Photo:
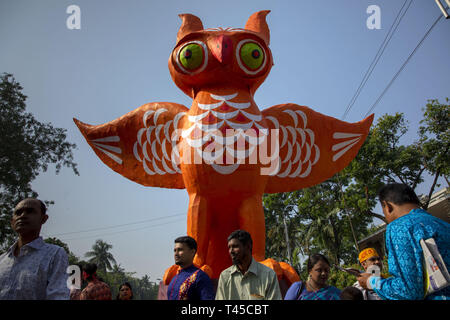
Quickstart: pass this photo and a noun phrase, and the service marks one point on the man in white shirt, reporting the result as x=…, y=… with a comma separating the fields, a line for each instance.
x=32, y=269
x=246, y=279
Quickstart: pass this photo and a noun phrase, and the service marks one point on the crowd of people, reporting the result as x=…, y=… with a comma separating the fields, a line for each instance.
x=33, y=269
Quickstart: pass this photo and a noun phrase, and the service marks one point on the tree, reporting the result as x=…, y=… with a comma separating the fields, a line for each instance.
x=330, y=217
x=101, y=256
x=434, y=142
x=27, y=147
x=73, y=259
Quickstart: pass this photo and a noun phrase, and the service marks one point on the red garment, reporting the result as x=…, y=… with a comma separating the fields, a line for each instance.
x=96, y=290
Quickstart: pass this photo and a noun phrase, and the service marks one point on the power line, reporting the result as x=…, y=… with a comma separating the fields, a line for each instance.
x=377, y=57
x=118, y=225
x=123, y=231
x=403, y=66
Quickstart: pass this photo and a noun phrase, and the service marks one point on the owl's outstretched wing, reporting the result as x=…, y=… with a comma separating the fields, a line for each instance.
x=312, y=146
x=142, y=144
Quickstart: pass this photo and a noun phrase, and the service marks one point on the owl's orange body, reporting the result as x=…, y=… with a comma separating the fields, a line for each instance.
x=224, y=150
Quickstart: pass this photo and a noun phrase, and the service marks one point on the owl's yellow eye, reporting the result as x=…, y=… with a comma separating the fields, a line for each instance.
x=191, y=56
x=250, y=56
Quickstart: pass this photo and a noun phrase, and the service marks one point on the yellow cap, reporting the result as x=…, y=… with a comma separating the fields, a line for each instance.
x=367, y=253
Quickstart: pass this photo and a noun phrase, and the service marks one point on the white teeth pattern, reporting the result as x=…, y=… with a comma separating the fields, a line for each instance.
x=210, y=131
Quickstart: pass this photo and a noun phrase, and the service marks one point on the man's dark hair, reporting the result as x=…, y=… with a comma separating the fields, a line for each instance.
x=243, y=236
x=189, y=241
x=398, y=194
x=312, y=260
x=90, y=268
x=351, y=293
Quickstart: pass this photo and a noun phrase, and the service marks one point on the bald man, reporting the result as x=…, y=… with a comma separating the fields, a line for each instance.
x=32, y=269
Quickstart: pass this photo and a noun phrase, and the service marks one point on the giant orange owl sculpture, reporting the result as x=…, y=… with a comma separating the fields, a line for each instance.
x=224, y=150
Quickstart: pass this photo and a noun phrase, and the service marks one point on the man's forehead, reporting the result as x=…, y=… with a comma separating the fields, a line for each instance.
x=235, y=242
x=181, y=245
x=28, y=203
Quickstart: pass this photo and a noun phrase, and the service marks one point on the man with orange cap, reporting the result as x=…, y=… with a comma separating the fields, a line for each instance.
x=369, y=259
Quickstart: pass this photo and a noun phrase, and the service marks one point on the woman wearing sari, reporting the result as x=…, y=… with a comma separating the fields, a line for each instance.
x=315, y=288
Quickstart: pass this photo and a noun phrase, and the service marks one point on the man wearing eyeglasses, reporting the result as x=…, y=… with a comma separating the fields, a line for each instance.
x=369, y=257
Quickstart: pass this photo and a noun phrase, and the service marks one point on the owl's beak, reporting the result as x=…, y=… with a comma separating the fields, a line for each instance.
x=222, y=48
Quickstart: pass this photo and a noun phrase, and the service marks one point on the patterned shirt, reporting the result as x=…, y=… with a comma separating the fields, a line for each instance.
x=258, y=283
x=405, y=256
x=96, y=290
x=37, y=273
x=190, y=283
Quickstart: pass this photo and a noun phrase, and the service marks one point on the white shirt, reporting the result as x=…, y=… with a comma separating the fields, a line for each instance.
x=37, y=273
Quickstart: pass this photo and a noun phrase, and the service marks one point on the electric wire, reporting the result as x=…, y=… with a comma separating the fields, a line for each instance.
x=378, y=55
x=118, y=225
x=122, y=231
x=403, y=66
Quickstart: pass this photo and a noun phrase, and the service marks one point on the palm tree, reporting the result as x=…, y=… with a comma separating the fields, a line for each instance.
x=100, y=255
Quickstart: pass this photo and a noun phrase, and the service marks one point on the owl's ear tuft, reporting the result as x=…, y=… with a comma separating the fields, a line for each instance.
x=257, y=23
x=190, y=23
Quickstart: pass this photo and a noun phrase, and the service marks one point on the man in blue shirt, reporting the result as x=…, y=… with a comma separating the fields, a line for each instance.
x=190, y=283
x=407, y=225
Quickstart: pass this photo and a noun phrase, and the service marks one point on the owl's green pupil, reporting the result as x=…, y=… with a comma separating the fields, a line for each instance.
x=191, y=56
x=252, y=55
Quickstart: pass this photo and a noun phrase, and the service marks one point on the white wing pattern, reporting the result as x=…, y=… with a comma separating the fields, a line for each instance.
x=298, y=151
x=156, y=145
x=313, y=147
x=138, y=145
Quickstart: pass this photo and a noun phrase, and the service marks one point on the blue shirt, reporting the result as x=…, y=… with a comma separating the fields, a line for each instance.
x=298, y=291
x=37, y=273
x=405, y=256
x=200, y=289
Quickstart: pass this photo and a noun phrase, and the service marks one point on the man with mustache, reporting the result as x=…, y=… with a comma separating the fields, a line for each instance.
x=246, y=279
x=369, y=257
x=32, y=269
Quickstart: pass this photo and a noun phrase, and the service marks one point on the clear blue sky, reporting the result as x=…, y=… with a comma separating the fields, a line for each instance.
x=117, y=61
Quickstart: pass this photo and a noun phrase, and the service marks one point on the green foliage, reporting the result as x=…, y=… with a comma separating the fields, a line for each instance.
x=331, y=217
x=434, y=142
x=27, y=147
x=101, y=256
x=142, y=288
x=341, y=279
x=73, y=259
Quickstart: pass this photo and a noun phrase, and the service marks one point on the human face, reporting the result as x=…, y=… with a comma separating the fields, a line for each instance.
x=125, y=293
x=27, y=217
x=373, y=260
x=183, y=255
x=319, y=273
x=238, y=252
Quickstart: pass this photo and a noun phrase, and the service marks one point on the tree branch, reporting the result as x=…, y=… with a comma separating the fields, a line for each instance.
x=377, y=215
x=430, y=194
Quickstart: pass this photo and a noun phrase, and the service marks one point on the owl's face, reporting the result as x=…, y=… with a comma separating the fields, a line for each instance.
x=219, y=58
